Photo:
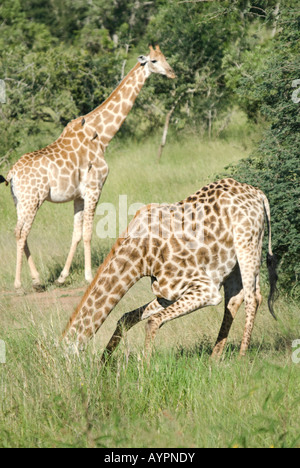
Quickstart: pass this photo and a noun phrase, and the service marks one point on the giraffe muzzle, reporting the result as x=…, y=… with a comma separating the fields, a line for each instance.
x=171, y=74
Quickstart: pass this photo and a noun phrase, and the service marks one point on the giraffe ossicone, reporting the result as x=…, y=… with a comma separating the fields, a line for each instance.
x=227, y=220
x=73, y=168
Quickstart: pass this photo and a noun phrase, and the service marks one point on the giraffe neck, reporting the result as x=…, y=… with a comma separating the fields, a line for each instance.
x=119, y=272
x=105, y=121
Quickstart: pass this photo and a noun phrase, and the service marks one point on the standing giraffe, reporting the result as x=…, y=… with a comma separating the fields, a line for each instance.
x=189, y=249
x=74, y=168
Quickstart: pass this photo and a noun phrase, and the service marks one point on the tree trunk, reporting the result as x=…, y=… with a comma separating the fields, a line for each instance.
x=124, y=63
x=209, y=123
x=165, y=133
x=276, y=15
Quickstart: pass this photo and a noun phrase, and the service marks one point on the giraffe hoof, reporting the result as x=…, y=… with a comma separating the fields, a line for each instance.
x=20, y=292
x=39, y=288
x=60, y=281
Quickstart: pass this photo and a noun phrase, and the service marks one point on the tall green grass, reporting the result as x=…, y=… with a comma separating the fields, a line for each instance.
x=50, y=399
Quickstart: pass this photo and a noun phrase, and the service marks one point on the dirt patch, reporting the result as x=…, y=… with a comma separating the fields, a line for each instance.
x=68, y=299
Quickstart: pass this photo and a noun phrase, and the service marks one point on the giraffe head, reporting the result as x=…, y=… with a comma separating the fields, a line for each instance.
x=156, y=63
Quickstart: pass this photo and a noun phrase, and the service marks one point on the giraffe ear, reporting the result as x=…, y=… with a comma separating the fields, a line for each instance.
x=143, y=59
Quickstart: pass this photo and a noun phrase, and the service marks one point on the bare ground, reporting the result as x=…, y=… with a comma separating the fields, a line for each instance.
x=68, y=299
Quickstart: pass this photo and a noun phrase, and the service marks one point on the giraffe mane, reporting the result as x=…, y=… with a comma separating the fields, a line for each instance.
x=117, y=89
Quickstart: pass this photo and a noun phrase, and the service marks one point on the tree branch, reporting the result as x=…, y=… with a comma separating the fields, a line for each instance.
x=166, y=127
x=165, y=133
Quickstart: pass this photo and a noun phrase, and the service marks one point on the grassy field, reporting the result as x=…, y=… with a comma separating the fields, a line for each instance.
x=184, y=399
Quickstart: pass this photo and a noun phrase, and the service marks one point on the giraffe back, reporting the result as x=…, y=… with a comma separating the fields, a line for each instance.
x=198, y=236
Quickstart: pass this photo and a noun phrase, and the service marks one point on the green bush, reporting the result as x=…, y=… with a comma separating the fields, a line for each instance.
x=275, y=166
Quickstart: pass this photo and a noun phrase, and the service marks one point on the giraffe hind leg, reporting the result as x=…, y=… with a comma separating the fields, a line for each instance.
x=249, y=265
x=234, y=296
x=76, y=238
x=25, y=221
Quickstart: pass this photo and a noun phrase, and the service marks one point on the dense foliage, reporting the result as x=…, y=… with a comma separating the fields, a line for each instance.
x=275, y=167
x=60, y=59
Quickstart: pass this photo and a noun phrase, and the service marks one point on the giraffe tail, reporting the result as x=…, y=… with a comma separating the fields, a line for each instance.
x=2, y=179
x=272, y=262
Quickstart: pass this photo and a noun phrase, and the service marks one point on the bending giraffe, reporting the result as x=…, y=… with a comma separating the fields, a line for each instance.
x=190, y=250
x=74, y=168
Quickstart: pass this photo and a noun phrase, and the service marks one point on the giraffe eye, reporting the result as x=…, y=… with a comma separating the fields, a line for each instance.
x=154, y=61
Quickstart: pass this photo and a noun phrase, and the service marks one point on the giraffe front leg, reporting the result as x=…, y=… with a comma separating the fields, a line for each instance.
x=126, y=322
x=76, y=238
x=33, y=271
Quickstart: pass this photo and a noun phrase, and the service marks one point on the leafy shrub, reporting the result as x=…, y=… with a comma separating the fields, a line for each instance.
x=275, y=166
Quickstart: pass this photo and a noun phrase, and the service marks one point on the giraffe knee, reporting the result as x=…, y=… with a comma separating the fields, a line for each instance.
x=77, y=237
x=251, y=301
x=235, y=302
x=18, y=231
x=152, y=325
x=87, y=237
